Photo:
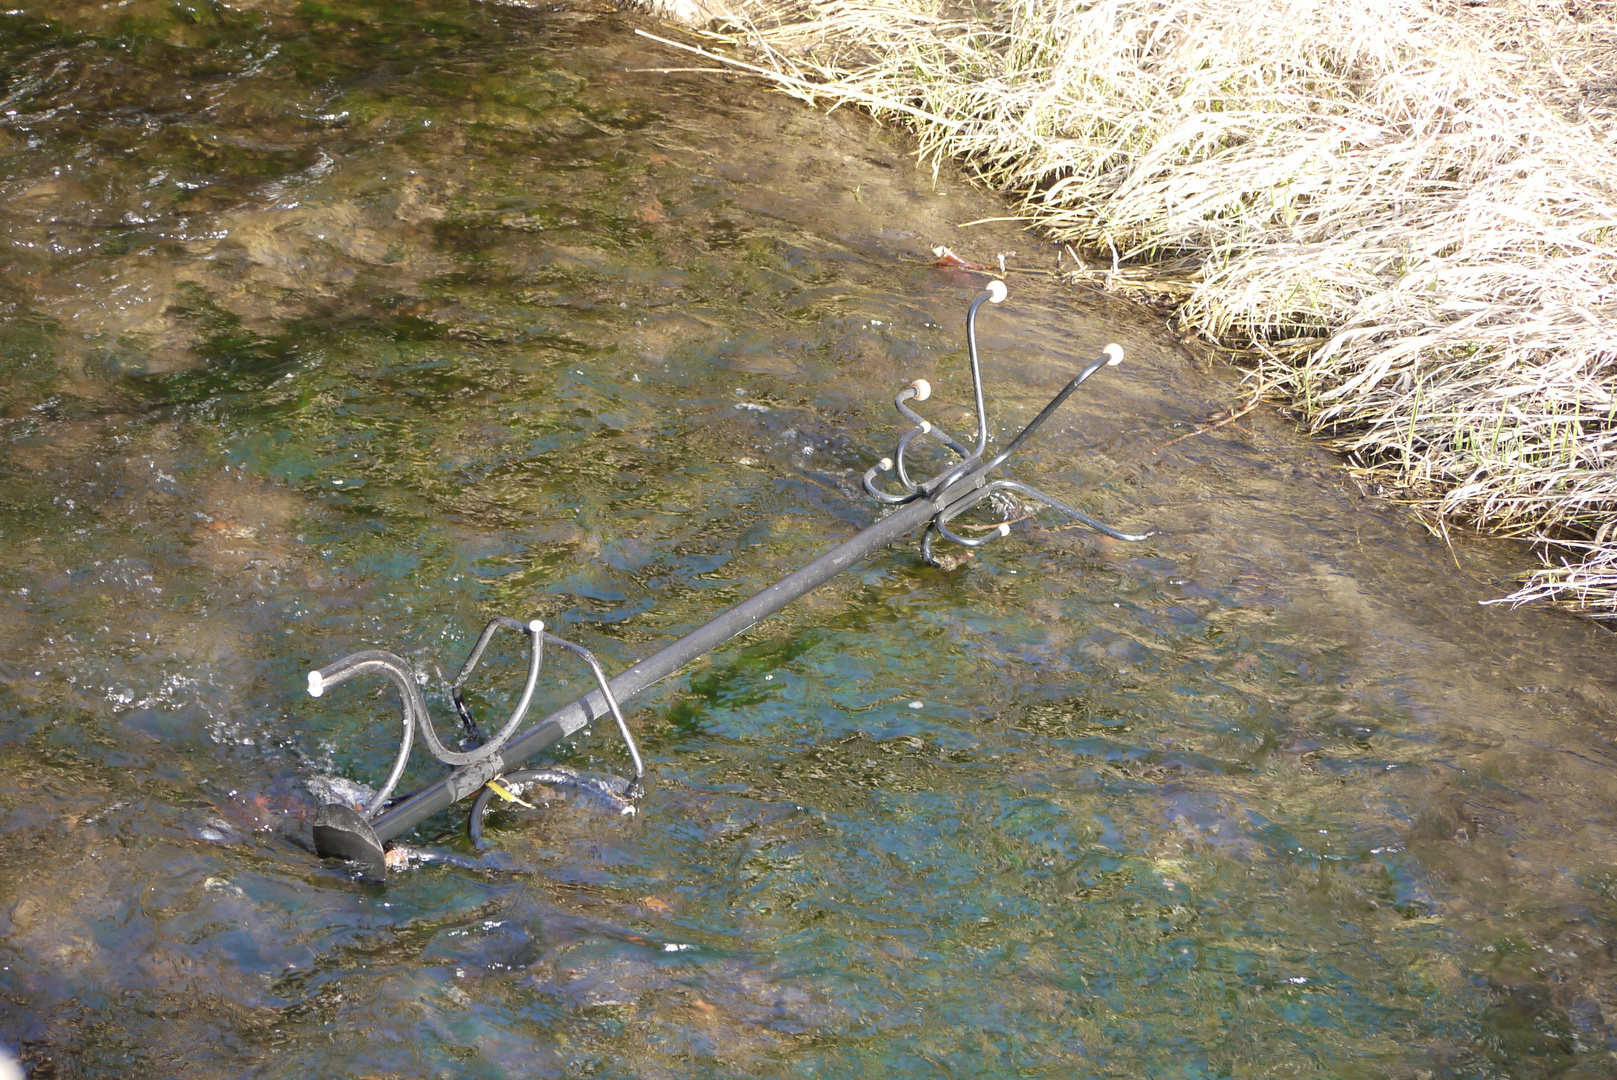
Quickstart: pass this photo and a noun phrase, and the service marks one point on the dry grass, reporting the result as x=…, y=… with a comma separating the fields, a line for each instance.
x=1407, y=211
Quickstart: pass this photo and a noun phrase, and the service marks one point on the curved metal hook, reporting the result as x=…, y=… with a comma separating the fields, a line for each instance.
x=920, y=390
x=515, y=786
x=411, y=703
x=963, y=484
x=413, y=706
x=995, y=293
x=637, y=785
x=884, y=465
x=340, y=830
x=1056, y=504
x=534, y=631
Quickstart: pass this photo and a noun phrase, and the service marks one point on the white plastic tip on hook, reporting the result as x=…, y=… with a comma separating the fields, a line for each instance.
x=1114, y=354
x=537, y=626
x=1004, y=529
x=317, y=685
x=885, y=464
x=997, y=292
x=922, y=388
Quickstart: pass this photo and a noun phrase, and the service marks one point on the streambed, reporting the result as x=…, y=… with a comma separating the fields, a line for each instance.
x=345, y=326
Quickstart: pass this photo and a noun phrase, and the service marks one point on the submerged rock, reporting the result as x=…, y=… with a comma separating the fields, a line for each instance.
x=337, y=789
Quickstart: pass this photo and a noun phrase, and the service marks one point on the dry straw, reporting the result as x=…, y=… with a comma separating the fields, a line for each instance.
x=1407, y=212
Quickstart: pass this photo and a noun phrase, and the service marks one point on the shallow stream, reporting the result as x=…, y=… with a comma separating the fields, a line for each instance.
x=347, y=325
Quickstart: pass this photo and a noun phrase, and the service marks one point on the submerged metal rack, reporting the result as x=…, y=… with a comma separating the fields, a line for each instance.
x=360, y=834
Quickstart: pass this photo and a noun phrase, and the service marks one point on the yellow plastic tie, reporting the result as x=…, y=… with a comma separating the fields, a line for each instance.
x=508, y=795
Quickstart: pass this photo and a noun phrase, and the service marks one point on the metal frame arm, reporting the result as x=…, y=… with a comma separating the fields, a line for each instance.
x=929, y=504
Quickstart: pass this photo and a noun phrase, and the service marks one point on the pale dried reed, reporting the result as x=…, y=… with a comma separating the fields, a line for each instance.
x=1407, y=211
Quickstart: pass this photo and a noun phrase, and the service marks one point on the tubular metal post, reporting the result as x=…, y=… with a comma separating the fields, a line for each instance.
x=931, y=504
x=422, y=804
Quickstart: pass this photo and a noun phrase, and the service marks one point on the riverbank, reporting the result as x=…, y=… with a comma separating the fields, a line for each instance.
x=1401, y=215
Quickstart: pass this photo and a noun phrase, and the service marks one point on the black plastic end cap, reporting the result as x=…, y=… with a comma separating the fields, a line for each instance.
x=341, y=832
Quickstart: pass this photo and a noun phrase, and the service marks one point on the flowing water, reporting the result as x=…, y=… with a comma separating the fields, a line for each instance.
x=332, y=326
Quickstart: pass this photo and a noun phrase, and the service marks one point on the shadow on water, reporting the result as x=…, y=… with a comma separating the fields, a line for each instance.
x=342, y=325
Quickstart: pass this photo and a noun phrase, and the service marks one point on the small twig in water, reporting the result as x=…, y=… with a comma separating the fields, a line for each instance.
x=1442, y=523
x=986, y=220
x=1214, y=426
x=690, y=70
x=811, y=89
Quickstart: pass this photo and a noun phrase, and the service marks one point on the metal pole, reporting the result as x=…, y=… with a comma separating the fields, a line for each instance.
x=422, y=804
x=342, y=831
